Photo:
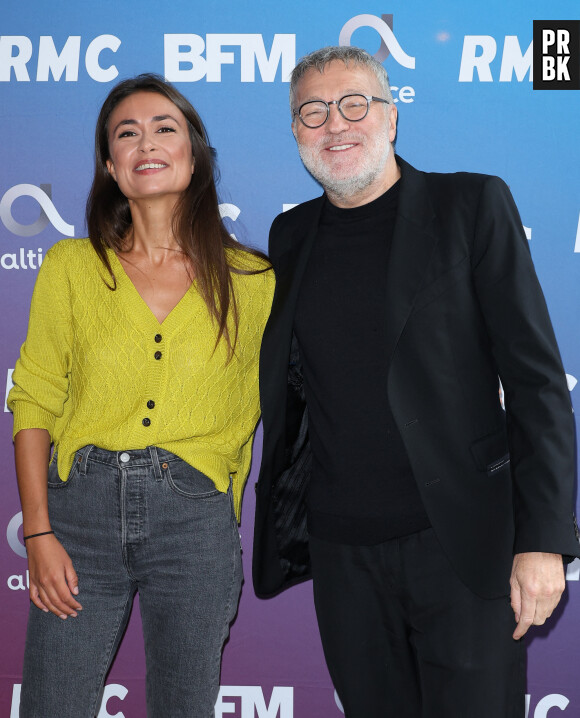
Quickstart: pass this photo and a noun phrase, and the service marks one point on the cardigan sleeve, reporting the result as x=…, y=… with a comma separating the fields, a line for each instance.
x=41, y=375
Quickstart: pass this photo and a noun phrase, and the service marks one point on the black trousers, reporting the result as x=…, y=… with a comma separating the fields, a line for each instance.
x=403, y=637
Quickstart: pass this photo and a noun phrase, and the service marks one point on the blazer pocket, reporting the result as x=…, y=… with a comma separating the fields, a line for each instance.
x=490, y=453
x=444, y=282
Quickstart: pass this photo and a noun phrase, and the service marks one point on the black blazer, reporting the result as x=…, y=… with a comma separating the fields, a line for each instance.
x=464, y=307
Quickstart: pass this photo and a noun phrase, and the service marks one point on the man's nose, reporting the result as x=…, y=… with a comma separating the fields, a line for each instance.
x=336, y=122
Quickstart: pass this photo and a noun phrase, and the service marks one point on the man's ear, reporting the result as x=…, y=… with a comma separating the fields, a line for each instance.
x=293, y=126
x=392, y=123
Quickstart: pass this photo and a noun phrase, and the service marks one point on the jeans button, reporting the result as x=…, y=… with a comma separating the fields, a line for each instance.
x=124, y=457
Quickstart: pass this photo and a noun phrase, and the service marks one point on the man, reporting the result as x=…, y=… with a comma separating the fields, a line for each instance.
x=390, y=471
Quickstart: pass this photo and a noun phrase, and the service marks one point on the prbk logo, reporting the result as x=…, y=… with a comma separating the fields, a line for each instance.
x=16, y=53
x=190, y=58
x=389, y=46
x=556, y=54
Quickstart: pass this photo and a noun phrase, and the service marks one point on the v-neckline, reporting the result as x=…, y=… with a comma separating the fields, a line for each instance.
x=123, y=278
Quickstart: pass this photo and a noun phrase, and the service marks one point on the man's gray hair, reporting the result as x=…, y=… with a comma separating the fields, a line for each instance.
x=319, y=59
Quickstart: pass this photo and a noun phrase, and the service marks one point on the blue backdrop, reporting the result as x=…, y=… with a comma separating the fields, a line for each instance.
x=462, y=79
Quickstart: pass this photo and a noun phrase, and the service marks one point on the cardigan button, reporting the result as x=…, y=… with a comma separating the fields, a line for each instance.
x=146, y=422
x=158, y=338
x=151, y=404
x=158, y=355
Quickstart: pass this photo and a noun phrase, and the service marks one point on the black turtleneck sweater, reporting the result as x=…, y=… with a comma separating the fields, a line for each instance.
x=362, y=489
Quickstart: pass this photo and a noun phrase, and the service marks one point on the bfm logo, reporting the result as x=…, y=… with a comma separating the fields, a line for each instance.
x=185, y=62
x=233, y=702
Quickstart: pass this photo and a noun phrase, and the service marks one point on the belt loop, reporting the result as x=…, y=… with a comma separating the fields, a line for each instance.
x=155, y=462
x=84, y=457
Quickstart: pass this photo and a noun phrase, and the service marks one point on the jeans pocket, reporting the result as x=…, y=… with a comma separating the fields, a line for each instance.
x=54, y=480
x=187, y=481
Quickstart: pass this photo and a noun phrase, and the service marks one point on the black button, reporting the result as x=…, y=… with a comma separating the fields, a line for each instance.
x=146, y=422
x=158, y=355
x=151, y=404
x=158, y=338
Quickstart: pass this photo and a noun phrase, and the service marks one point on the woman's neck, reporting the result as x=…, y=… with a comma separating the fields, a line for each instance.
x=152, y=230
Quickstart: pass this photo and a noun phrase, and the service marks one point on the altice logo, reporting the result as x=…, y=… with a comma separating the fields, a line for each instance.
x=48, y=212
x=12, y=535
x=389, y=43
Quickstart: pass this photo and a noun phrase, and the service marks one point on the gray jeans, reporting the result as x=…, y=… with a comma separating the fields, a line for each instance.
x=133, y=521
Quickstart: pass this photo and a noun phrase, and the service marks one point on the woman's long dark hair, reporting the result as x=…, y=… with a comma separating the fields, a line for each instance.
x=197, y=225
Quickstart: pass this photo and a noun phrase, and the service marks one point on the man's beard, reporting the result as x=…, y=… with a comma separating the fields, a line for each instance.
x=372, y=165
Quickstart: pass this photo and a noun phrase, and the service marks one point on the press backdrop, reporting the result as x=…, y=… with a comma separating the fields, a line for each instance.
x=461, y=75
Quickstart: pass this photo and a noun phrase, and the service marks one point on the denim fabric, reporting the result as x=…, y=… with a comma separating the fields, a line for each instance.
x=137, y=521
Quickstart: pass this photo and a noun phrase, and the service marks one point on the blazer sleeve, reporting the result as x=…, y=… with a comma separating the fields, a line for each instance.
x=539, y=413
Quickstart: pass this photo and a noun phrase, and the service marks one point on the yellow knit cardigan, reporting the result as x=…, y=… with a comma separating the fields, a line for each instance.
x=95, y=361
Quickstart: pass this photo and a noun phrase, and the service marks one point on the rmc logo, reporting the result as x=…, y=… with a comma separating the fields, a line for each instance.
x=16, y=53
x=480, y=50
x=389, y=46
x=554, y=700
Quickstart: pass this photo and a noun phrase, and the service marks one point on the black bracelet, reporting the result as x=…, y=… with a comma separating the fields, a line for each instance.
x=43, y=533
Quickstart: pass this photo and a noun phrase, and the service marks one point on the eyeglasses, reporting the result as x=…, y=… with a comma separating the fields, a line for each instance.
x=353, y=108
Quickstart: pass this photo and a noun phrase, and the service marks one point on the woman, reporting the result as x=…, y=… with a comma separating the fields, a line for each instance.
x=140, y=367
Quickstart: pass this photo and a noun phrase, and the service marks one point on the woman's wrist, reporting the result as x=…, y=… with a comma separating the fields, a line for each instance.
x=36, y=535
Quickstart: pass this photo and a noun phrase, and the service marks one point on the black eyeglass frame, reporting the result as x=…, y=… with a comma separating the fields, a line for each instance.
x=368, y=98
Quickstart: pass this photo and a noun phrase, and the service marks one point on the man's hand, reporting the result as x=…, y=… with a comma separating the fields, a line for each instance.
x=537, y=583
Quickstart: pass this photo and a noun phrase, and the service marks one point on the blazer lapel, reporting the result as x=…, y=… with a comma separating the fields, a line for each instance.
x=289, y=267
x=414, y=240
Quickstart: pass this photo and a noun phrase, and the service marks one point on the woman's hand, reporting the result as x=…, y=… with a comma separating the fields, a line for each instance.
x=53, y=580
